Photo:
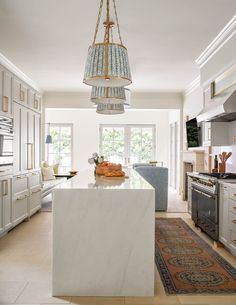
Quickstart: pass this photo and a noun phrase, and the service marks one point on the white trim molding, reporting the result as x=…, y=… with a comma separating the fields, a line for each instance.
x=11, y=67
x=220, y=40
x=192, y=86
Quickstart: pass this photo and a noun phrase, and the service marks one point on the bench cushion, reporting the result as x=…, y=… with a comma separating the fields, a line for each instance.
x=49, y=185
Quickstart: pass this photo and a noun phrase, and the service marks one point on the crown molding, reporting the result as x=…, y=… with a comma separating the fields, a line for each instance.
x=220, y=40
x=11, y=67
x=192, y=86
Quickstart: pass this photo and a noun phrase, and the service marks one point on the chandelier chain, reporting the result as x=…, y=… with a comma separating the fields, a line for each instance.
x=117, y=22
x=98, y=21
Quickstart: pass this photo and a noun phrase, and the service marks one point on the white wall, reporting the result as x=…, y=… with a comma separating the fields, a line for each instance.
x=139, y=100
x=86, y=129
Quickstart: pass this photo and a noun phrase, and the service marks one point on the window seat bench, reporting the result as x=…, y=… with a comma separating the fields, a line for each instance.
x=47, y=186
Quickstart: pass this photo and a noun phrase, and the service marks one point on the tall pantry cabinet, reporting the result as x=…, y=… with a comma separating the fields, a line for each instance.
x=26, y=167
x=20, y=189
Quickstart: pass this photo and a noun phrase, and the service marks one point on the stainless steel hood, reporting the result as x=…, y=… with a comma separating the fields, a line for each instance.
x=220, y=109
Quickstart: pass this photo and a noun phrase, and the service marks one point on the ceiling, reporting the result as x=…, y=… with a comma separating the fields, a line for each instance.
x=48, y=39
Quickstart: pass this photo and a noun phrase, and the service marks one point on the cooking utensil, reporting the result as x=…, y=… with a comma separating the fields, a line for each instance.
x=228, y=156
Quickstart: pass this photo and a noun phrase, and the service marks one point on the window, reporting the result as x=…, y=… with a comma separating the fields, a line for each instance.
x=128, y=143
x=60, y=151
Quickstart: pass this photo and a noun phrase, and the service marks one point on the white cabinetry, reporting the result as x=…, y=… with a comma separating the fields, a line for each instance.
x=224, y=213
x=232, y=219
x=35, y=192
x=227, y=225
x=215, y=134
x=5, y=204
x=6, y=80
x=27, y=139
x=20, y=195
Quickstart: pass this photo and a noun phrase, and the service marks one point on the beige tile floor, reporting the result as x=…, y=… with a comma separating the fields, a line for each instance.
x=25, y=271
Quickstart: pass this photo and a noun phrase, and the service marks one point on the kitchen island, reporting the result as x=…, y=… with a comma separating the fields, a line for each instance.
x=103, y=236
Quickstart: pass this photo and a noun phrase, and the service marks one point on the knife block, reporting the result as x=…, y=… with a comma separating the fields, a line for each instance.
x=222, y=167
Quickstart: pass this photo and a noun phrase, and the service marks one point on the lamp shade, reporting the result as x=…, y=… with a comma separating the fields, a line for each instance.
x=49, y=139
x=107, y=66
x=109, y=95
x=110, y=108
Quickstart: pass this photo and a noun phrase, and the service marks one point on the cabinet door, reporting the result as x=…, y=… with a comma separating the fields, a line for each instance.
x=1, y=212
x=19, y=207
x=7, y=92
x=1, y=85
x=224, y=215
x=206, y=134
x=37, y=102
x=35, y=199
x=37, y=141
x=6, y=201
x=30, y=141
x=16, y=90
x=31, y=97
x=24, y=139
x=23, y=94
x=17, y=138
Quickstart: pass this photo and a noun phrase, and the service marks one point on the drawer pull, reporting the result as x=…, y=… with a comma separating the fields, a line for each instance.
x=5, y=104
x=21, y=197
x=34, y=192
x=21, y=177
x=234, y=221
x=22, y=96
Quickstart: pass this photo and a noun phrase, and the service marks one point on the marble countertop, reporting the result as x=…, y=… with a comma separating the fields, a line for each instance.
x=87, y=180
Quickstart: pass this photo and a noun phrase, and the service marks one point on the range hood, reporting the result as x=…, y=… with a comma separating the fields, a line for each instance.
x=220, y=109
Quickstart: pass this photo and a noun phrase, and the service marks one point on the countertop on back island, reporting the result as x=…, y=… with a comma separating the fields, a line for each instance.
x=103, y=236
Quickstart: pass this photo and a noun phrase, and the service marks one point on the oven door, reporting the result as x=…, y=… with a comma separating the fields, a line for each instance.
x=205, y=211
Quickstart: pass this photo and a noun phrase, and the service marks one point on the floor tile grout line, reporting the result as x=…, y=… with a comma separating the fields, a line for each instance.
x=27, y=283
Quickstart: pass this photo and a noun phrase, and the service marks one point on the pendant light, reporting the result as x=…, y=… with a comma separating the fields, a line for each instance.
x=110, y=108
x=49, y=137
x=107, y=62
x=103, y=95
x=113, y=108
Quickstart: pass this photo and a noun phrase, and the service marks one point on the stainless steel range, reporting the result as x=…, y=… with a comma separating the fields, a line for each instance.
x=205, y=201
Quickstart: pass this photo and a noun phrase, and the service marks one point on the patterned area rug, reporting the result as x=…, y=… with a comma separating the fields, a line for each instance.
x=187, y=264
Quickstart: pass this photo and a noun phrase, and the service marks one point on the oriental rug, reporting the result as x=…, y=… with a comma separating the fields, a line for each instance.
x=187, y=264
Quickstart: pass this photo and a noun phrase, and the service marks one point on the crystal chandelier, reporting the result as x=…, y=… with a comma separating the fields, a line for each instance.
x=107, y=62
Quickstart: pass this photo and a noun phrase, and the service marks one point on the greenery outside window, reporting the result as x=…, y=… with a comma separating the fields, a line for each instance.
x=128, y=144
x=60, y=151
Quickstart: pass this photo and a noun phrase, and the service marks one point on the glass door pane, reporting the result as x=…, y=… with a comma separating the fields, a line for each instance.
x=113, y=144
x=141, y=144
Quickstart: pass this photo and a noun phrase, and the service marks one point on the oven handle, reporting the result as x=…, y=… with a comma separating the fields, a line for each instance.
x=204, y=194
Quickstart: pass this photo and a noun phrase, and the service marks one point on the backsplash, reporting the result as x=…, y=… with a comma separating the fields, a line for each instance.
x=231, y=162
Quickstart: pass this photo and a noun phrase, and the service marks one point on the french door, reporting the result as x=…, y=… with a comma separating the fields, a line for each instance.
x=128, y=144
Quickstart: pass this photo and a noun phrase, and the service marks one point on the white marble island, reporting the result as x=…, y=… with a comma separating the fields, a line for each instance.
x=103, y=236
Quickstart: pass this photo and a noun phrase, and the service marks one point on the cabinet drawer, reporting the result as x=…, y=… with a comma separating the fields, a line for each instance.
x=19, y=207
x=34, y=179
x=232, y=241
x=232, y=193
x=232, y=221
x=232, y=206
x=35, y=199
x=20, y=184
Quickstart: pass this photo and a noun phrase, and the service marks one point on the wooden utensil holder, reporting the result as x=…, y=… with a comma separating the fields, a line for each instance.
x=222, y=167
